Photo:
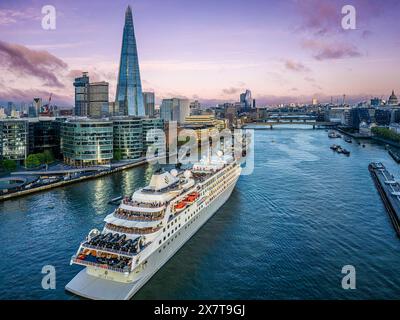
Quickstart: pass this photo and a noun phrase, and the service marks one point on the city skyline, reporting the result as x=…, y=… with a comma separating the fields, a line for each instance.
x=287, y=51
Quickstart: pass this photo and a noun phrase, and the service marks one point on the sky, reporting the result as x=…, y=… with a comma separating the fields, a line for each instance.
x=282, y=50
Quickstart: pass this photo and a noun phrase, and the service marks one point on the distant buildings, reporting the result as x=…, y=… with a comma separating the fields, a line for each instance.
x=129, y=88
x=175, y=109
x=393, y=100
x=149, y=103
x=246, y=100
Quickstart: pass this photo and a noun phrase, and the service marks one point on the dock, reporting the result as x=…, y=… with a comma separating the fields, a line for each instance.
x=389, y=190
x=394, y=155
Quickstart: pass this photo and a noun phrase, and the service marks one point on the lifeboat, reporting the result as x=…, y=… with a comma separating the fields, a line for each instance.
x=180, y=206
x=192, y=197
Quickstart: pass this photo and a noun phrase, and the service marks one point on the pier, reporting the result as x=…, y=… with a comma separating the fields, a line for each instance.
x=389, y=190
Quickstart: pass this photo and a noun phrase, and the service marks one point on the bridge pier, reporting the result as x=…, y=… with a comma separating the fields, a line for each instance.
x=313, y=126
x=271, y=127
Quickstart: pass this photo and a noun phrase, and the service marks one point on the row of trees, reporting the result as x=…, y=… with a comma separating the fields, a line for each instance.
x=386, y=133
x=37, y=159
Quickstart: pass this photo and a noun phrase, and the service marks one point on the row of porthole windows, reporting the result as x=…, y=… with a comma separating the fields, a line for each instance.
x=172, y=239
x=170, y=233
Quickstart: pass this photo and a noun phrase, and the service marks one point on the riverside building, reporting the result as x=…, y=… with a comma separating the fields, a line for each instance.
x=87, y=142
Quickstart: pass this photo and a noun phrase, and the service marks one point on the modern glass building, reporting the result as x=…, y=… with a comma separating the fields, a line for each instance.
x=44, y=134
x=129, y=88
x=87, y=142
x=14, y=139
x=81, y=85
x=149, y=103
x=128, y=137
x=175, y=109
x=151, y=137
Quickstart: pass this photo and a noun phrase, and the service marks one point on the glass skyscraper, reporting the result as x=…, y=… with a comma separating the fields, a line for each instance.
x=129, y=89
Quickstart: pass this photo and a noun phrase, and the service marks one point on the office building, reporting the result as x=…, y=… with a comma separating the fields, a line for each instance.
x=87, y=142
x=129, y=88
x=149, y=103
x=245, y=100
x=175, y=109
x=128, y=137
x=44, y=134
x=81, y=85
x=151, y=136
x=98, y=99
x=14, y=139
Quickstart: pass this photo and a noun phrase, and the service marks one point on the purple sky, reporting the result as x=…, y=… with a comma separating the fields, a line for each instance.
x=284, y=51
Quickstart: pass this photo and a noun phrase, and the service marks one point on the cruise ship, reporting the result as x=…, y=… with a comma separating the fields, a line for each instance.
x=147, y=229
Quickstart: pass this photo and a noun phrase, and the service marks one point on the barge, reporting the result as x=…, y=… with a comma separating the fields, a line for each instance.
x=389, y=190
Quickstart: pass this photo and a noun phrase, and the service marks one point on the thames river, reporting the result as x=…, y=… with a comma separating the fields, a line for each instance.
x=285, y=233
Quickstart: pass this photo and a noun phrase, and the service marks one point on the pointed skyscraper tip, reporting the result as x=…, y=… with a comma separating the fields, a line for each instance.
x=129, y=87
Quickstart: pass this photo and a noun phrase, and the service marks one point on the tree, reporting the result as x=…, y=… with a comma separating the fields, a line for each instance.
x=32, y=161
x=117, y=155
x=48, y=156
x=40, y=157
x=8, y=165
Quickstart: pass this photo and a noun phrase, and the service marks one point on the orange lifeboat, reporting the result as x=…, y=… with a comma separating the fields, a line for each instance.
x=180, y=206
x=192, y=197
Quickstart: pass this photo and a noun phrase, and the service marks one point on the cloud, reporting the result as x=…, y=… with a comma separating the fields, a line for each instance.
x=36, y=63
x=296, y=66
x=231, y=90
x=330, y=51
x=10, y=16
x=319, y=17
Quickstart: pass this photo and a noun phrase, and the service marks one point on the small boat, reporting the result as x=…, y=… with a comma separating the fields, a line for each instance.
x=363, y=145
x=115, y=200
x=334, y=147
x=348, y=140
x=339, y=149
x=346, y=152
x=334, y=134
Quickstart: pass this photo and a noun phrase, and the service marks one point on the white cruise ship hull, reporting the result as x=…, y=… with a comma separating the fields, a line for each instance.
x=92, y=287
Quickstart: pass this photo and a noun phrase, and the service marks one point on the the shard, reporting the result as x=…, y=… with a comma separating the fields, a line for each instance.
x=129, y=88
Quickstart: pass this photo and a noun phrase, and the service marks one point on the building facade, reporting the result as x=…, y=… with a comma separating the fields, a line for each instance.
x=87, y=142
x=149, y=103
x=128, y=137
x=44, y=134
x=151, y=138
x=98, y=99
x=81, y=85
x=14, y=139
x=129, y=88
x=175, y=109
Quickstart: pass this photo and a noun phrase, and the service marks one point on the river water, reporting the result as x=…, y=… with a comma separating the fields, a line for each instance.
x=285, y=233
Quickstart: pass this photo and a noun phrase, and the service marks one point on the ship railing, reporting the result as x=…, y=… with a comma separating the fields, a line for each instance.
x=138, y=216
x=132, y=203
x=98, y=265
x=115, y=228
